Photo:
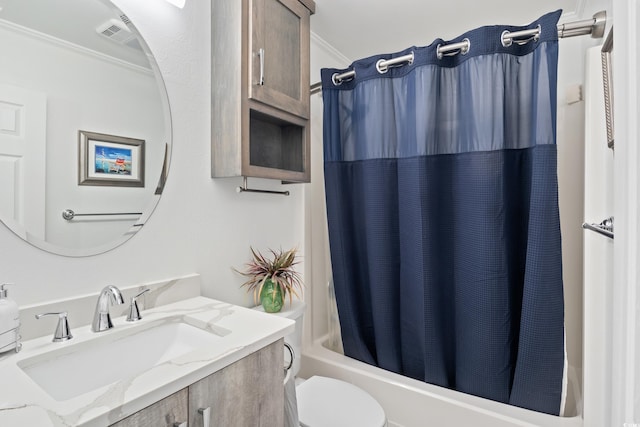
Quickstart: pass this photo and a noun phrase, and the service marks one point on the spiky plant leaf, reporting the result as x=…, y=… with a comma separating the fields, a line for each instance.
x=279, y=267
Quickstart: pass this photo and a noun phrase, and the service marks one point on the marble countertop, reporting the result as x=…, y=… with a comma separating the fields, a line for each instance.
x=244, y=331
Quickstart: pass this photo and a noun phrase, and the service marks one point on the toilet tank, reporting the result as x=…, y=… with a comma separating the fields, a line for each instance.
x=295, y=312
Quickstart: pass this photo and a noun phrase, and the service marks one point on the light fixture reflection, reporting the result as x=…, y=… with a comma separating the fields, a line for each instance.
x=178, y=3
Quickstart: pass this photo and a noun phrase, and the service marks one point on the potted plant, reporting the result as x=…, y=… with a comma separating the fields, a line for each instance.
x=272, y=278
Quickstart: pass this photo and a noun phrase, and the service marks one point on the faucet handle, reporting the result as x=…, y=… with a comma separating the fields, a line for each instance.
x=134, y=311
x=63, y=332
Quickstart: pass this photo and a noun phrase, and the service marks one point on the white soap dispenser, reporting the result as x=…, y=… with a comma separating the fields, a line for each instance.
x=9, y=322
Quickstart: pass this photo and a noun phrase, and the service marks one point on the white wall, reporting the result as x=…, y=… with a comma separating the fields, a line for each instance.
x=200, y=225
x=319, y=269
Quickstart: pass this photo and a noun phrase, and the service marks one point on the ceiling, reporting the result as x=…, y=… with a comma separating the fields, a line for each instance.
x=74, y=21
x=361, y=28
x=355, y=28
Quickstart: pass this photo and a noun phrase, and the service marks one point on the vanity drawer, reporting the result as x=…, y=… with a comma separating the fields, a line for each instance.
x=167, y=412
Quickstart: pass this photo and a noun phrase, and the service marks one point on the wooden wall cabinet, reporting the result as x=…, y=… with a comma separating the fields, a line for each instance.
x=260, y=88
x=249, y=392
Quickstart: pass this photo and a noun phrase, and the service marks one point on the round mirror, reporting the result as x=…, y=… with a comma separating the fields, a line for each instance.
x=85, y=127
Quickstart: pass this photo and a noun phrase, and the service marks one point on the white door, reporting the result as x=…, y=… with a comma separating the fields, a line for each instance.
x=598, y=249
x=624, y=346
x=22, y=160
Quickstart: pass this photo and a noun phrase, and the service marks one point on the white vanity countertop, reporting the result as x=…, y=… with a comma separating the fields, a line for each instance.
x=244, y=331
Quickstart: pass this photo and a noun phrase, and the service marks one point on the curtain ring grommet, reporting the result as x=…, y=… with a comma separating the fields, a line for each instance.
x=465, y=49
x=381, y=67
x=336, y=82
x=504, y=39
x=536, y=37
x=507, y=38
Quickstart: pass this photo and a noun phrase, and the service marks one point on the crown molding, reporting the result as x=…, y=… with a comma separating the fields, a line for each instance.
x=46, y=38
x=330, y=50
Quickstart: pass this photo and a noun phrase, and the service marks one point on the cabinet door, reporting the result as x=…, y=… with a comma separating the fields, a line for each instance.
x=279, y=55
x=168, y=412
x=246, y=393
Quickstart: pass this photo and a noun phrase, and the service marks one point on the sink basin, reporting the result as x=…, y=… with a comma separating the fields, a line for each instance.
x=75, y=370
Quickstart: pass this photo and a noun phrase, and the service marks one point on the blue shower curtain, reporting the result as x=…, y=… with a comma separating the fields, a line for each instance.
x=442, y=205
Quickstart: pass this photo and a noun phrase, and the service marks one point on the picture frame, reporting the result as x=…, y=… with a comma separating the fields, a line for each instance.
x=109, y=160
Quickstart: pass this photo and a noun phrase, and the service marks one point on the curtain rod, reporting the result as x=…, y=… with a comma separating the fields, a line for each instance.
x=594, y=26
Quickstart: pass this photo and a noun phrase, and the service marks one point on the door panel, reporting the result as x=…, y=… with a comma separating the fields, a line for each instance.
x=279, y=49
x=598, y=249
x=22, y=159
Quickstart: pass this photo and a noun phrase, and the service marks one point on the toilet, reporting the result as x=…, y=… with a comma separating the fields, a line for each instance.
x=327, y=402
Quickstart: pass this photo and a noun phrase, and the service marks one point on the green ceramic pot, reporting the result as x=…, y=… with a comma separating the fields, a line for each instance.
x=271, y=297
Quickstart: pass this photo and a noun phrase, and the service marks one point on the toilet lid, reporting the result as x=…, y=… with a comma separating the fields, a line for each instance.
x=324, y=402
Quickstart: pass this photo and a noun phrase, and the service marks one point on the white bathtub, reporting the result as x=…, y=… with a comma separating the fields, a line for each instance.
x=411, y=403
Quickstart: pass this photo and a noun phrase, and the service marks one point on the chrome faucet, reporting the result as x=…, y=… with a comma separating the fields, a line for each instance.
x=101, y=318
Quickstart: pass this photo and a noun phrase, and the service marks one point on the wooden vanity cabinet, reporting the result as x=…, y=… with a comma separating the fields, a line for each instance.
x=169, y=412
x=260, y=88
x=249, y=392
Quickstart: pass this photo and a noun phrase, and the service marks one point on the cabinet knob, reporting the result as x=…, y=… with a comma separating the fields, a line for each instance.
x=206, y=416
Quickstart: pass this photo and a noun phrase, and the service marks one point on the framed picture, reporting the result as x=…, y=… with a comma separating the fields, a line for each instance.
x=109, y=160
